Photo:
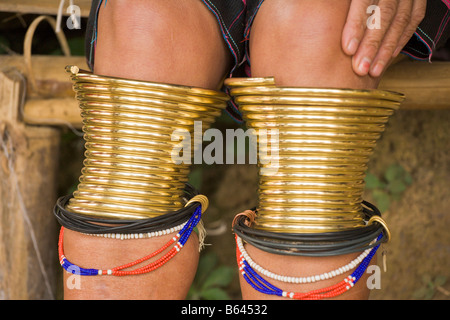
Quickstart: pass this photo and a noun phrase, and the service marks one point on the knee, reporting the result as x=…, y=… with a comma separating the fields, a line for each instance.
x=160, y=41
x=299, y=42
x=140, y=26
x=307, y=24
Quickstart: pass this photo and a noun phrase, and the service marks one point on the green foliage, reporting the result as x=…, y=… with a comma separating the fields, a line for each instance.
x=430, y=286
x=195, y=177
x=389, y=187
x=211, y=279
x=76, y=45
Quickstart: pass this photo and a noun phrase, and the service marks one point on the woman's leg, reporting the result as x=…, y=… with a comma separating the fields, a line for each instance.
x=299, y=44
x=169, y=41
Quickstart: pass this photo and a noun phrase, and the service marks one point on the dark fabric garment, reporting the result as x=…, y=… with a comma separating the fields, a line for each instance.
x=433, y=33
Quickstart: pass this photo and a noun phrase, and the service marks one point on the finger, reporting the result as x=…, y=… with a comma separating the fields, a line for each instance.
x=355, y=25
x=391, y=40
x=418, y=13
x=373, y=38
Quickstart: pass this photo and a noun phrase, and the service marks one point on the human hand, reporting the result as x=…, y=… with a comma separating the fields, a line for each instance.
x=374, y=48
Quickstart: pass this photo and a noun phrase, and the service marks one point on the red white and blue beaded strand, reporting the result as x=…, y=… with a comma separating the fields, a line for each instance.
x=262, y=285
x=178, y=241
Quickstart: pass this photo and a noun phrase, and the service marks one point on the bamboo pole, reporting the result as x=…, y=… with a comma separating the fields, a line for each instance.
x=425, y=85
x=48, y=73
x=53, y=104
x=53, y=112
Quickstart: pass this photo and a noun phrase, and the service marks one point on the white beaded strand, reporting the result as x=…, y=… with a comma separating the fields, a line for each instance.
x=126, y=236
x=309, y=279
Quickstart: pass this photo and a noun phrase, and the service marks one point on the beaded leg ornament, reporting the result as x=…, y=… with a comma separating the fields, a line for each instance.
x=262, y=285
x=311, y=182
x=131, y=187
x=176, y=242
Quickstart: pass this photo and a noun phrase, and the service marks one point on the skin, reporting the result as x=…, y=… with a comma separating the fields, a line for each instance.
x=180, y=42
x=372, y=50
x=305, y=64
x=172, y=41
x=322, y=59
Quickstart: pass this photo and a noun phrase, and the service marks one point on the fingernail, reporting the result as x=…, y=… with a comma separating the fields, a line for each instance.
x=377, y=69
x=352, y=46
x=364, y=65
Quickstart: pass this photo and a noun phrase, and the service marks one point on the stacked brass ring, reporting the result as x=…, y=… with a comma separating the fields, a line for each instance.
x=325, y=140
x=129, y=171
